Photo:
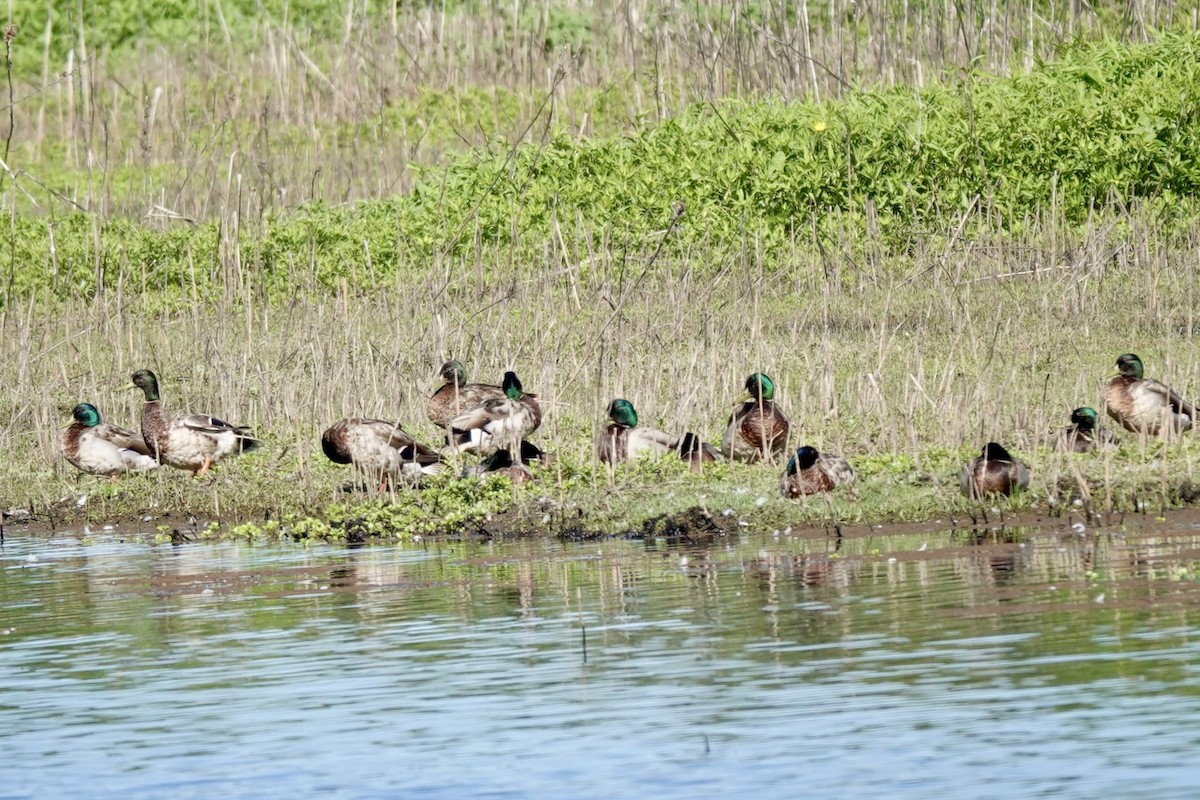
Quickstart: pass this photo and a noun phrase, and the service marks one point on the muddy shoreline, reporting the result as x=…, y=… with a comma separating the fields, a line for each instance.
x=692, y=526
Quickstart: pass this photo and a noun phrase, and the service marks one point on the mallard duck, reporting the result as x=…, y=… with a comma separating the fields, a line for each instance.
x=456, y=395
x=810, y=472
x=379, y=450
x=498, y=423
x=624, y=440
x=501, y=463
x=1143, y=405
x=993, y=471
x=757, y=429
x=696, y=452
x=1083, y=434
x=193, y=442
x=100, y=448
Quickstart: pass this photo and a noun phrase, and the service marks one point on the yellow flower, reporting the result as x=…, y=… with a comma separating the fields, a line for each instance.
x=819, y=125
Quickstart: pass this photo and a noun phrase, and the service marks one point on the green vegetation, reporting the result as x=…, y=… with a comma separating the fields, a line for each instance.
x=1104, y=127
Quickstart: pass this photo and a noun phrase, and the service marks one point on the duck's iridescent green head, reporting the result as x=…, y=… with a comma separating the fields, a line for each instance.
x=145, y=380
x=995, y=452
x=804, y=458
x=1085, y=418
x=512, y=386
x=623, y=413
x=86, y=415
x=1130, y=366
x=454, y=372
x=760, y=387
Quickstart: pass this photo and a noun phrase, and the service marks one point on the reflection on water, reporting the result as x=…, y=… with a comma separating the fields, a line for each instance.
x=954, y=664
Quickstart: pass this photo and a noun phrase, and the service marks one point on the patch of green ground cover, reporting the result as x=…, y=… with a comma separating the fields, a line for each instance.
x=1103, y=123
x=246, y=499
x=1104, y=126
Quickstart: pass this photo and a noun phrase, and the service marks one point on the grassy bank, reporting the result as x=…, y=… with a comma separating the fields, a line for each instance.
x=906, y=374
x=920, y=269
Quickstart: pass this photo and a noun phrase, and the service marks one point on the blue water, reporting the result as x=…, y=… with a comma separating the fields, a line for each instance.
x=535, y=669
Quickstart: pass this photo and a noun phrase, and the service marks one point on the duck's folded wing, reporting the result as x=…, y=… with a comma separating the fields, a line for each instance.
x=391, y=434
x=474, y=394
x=122, y=438
x=482, y=414
x=211, y=426
x=1179, y=405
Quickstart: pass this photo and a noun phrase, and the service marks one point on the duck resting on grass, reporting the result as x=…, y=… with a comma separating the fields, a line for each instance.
x=502, y=463
x=381, y=451
x=1084, y=434
x=456, y=395
x=757, y=429
x=993, y=471
x=497, y=423
x=100, y=448
x=1143, y=405
x=623, y=439
x=193, y=442
x=811, y=472
x=696, y=452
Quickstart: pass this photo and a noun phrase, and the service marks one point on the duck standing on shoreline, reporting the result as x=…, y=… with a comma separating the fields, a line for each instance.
x=192, y=442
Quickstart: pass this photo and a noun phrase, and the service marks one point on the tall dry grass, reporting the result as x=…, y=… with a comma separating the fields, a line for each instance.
x=976, y=341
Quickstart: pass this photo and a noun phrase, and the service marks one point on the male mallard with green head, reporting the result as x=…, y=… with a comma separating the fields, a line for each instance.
x=1143, y=405
x=757, y=428
x=993, y=471
x=1084, y=434
x=696, y=452
x=623, y=439
x=100, y=448
x=379, y=450
x=193, y=442
x=497, y=423
x=456, y=395
x=811, y=472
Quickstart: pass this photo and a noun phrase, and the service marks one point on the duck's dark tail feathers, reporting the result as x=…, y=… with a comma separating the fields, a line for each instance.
x=247, y=443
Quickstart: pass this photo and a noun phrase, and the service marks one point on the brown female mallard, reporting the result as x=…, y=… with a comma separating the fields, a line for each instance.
x=456, y=395
x=379, y=450
x=503, y=464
